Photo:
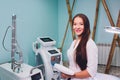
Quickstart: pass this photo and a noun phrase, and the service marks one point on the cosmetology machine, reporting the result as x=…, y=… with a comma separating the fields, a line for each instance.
x=50, y=55
x=27, y=72
x=16, y=69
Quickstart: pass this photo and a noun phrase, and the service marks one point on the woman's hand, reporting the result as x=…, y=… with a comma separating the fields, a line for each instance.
x=65, y=76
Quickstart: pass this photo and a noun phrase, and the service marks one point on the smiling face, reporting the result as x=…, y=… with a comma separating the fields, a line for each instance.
x=78, y=26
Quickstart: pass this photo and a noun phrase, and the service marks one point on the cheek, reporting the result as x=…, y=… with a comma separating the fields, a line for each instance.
x=82, y=29
x=73, y=27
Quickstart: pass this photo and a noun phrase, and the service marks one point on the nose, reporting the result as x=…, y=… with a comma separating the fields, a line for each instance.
x=77, y=26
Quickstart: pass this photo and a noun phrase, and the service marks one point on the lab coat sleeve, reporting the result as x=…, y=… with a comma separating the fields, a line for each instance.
x=92, y=57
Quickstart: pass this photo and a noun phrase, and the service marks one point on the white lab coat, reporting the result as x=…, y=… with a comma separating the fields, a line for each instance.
x=92, y=58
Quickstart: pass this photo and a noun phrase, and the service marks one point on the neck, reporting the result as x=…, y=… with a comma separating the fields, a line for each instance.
x=79, y=38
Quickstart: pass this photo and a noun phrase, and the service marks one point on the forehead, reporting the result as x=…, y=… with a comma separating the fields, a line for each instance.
x=78, y=19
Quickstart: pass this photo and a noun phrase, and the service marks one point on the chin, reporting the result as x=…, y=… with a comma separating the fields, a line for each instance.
x=78, y=34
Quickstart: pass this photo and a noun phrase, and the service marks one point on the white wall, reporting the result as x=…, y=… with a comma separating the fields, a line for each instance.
x=87, y=7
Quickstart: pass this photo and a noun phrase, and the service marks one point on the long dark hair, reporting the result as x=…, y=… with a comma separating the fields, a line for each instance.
x=81, y=54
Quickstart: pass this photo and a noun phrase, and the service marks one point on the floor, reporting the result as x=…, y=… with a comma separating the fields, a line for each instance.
x=113, y=70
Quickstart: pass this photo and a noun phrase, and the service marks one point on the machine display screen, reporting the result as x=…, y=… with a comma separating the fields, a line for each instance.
x=46, y=39
x=36, y=76
x=52, y=51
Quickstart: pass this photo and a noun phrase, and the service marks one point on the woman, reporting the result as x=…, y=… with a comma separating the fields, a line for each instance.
x=83, y=52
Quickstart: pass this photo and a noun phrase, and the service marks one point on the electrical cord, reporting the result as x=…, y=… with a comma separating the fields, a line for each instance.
x=4, y=39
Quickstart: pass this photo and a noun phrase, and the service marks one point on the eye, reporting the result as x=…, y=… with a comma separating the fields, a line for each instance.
x=74, y=24
x=81, y=23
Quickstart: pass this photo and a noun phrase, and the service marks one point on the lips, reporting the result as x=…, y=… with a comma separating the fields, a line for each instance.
x=77, y=30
